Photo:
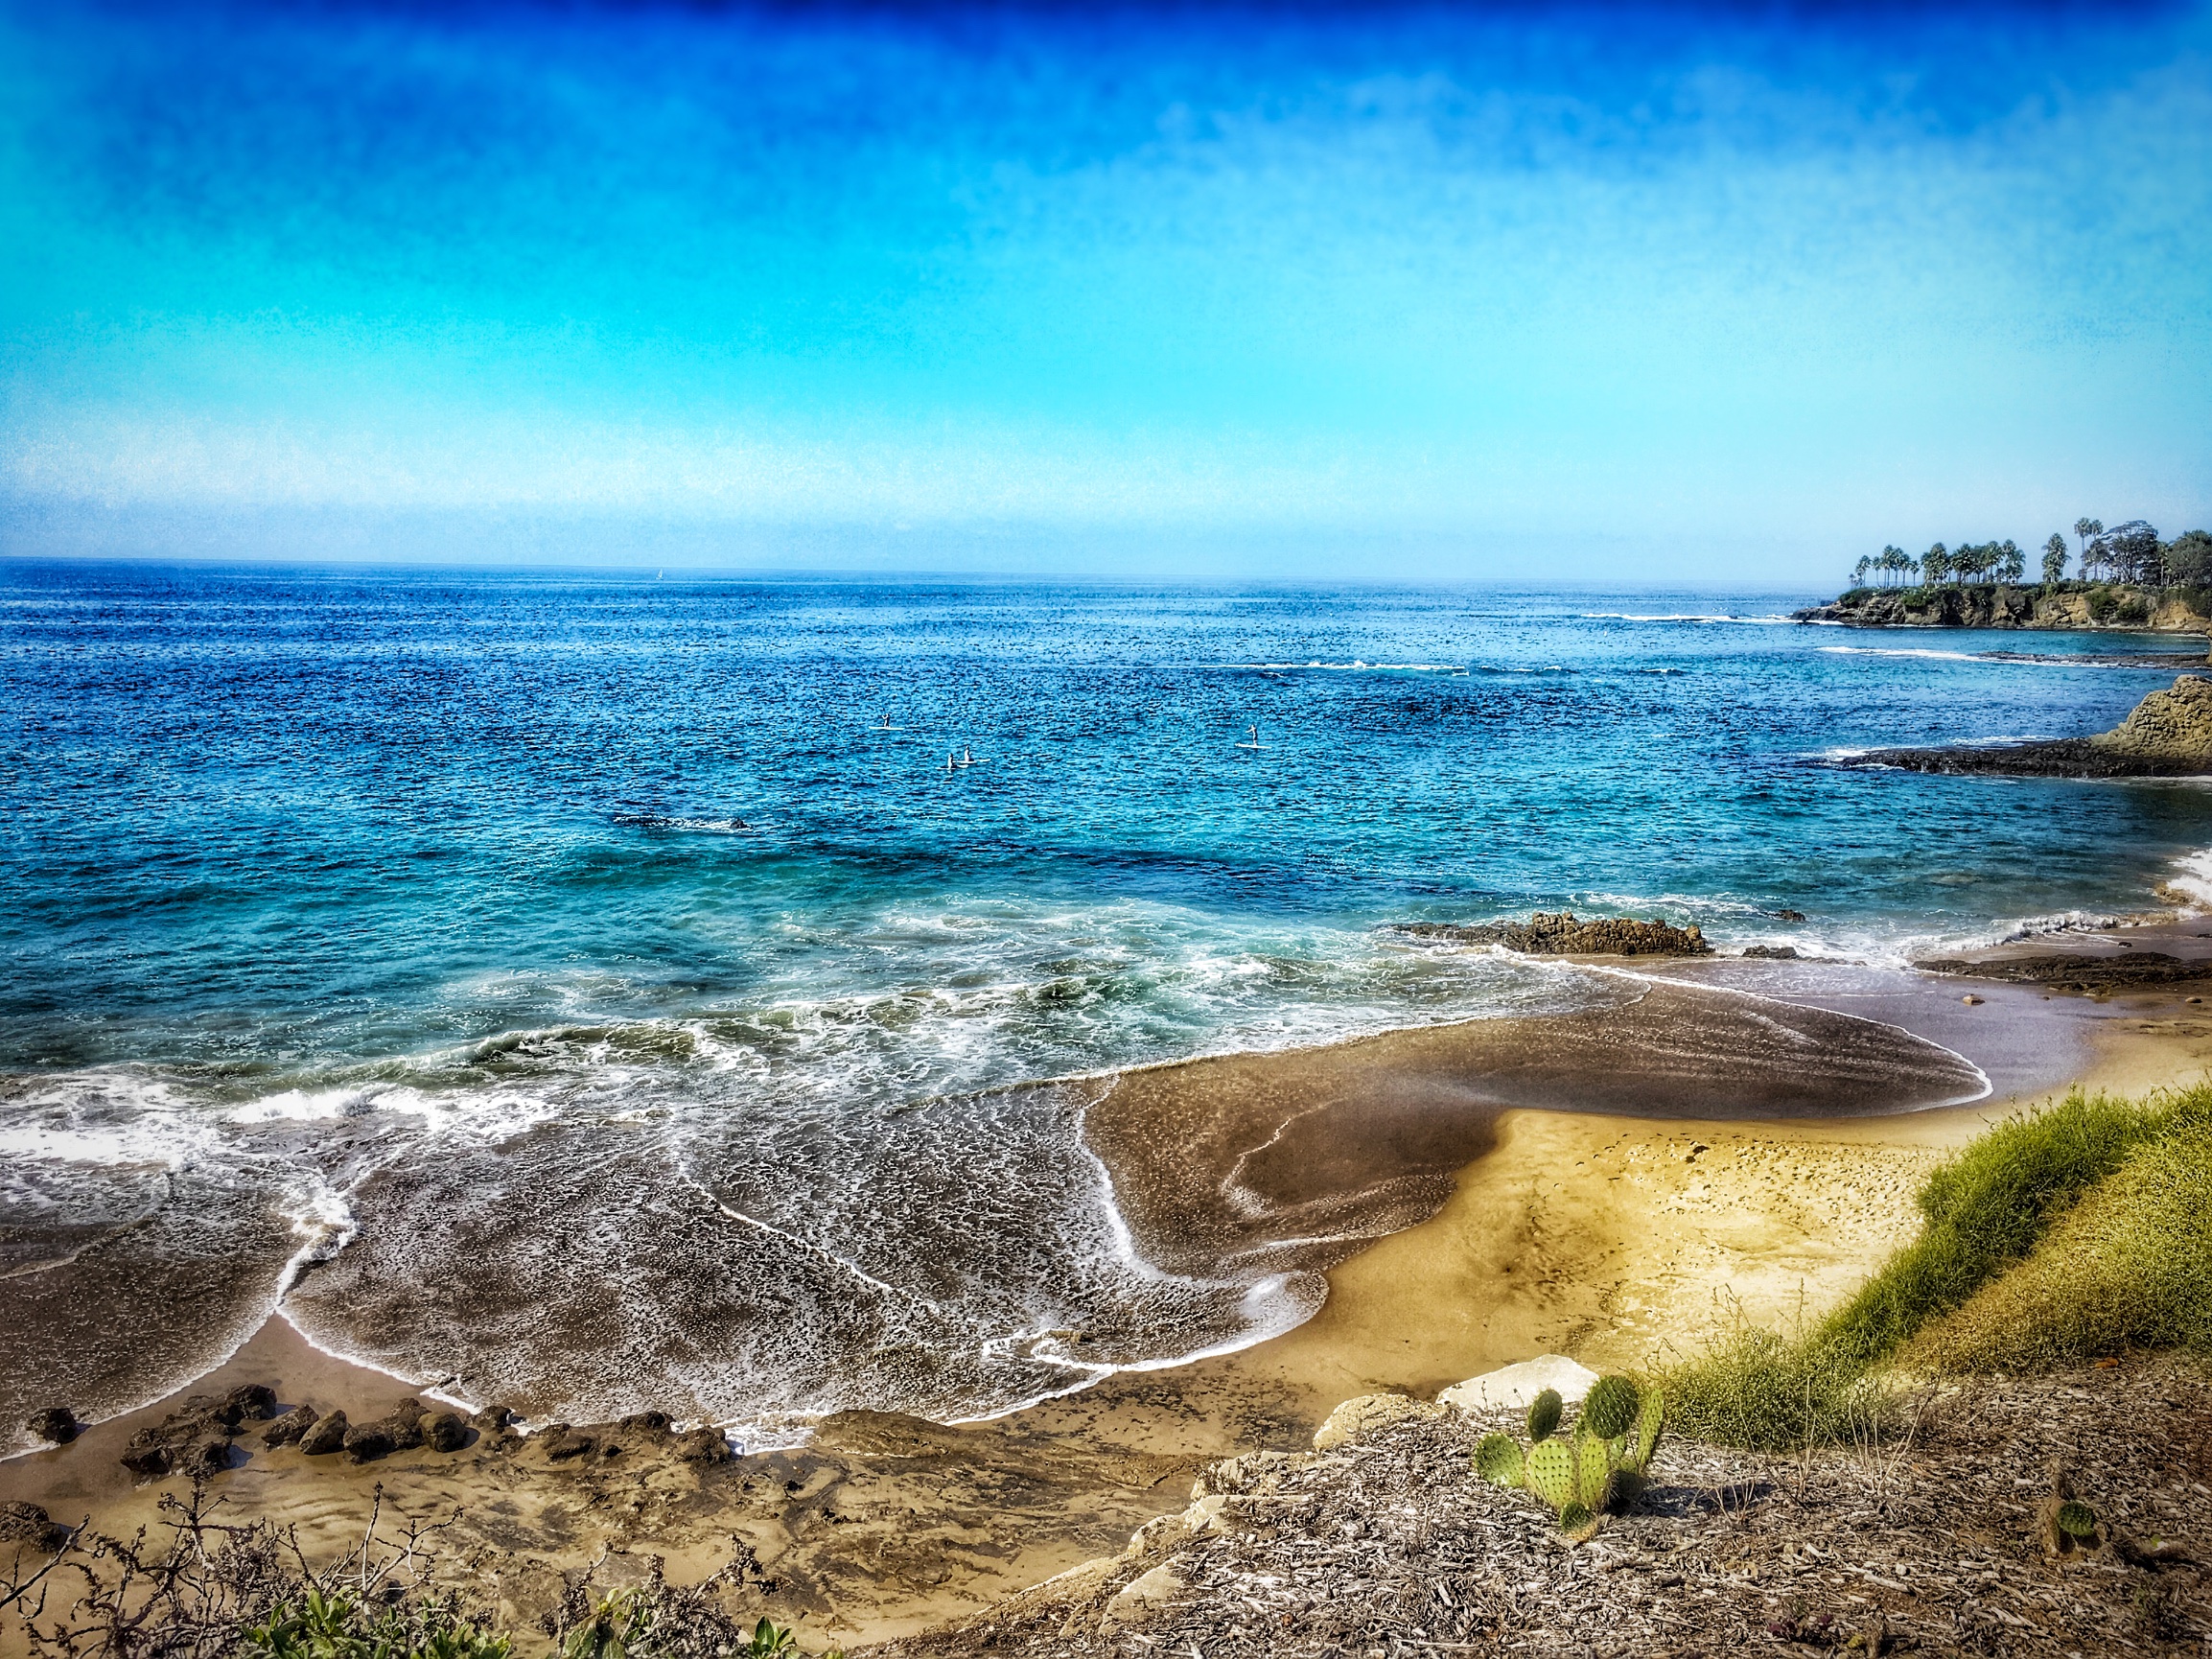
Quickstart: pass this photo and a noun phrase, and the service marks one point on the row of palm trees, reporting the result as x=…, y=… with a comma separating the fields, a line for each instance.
x=2128, y=553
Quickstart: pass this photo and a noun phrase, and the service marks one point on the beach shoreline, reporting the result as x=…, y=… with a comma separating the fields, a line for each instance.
x=1619, y=1237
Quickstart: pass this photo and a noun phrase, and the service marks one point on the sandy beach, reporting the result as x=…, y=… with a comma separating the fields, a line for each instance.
x=1729, y=1159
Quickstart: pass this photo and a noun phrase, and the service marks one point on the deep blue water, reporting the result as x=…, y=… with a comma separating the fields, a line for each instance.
x=368, y=901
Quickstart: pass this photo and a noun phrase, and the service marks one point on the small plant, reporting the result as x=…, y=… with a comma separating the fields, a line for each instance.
x=2077, y=1520
x=1600, y=1466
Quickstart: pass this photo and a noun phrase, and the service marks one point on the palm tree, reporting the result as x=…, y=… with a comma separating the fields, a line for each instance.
x=2088, y=530
x=1859, y=570
x=2054, y=559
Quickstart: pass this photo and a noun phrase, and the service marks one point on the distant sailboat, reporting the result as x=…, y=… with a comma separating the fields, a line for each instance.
x=1254, y=743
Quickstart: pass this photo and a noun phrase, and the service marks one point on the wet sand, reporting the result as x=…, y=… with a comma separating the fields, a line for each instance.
x=1618, y=1234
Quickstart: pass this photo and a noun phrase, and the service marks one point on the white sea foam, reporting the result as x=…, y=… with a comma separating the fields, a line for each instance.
x=1682, y=617
x=1902, y=651
x=1358, y=666
x=2193, y=878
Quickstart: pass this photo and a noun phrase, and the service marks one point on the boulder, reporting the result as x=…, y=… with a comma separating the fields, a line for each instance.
x=645, y=1422
x=1516, y=1387
x=29, y=1524
x=255, y=1400
x=326, y=1435
x=365, y=1442
x=562, y=1443
x=1358, y=1418
x=288, y=1427
x=703, y=1445
x=56, y=1425
x=444, y=1431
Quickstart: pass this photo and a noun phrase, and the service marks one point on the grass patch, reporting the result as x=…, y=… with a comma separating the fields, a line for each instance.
x=1987, y=1210
x=2130, y=1267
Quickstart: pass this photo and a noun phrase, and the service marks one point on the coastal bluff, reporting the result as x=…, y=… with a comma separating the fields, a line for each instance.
x=2072, y=606
x=2167, y=734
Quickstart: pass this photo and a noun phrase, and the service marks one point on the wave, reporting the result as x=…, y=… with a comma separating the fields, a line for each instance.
x=1357, y=665
x=1682, y=617
x=1903, y=652
x=695, y=826
x=2193, y=878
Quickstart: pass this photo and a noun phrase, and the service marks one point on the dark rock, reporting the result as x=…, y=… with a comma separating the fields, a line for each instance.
x=651, y=1422
x=493, y=1419
x=365, y=1442
x=1789, y=915
x=326, y=1436
x=562, y=1443
x=1564, y=935
x=148, y=1461
x=287, y=1429
x=402, y=1424
x=1772, y=952
x=56, y=1425
x=2080, y=970
x=29, y=1524
x=707, y=1445
x=444, y=1432
x=255, y=1400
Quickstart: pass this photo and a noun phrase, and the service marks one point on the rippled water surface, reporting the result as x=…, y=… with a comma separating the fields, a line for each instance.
x=583, y=980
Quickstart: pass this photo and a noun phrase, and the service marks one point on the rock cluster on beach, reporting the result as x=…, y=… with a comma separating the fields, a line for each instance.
x=1565, y=935
x=2168, y=734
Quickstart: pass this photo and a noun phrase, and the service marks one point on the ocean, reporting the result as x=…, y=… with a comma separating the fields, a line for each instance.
x=599, y=991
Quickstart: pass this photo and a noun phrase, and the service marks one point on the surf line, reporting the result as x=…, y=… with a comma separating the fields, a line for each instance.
x=1654, y=980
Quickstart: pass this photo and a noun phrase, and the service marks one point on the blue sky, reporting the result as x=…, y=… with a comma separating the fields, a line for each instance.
x=1655, y=293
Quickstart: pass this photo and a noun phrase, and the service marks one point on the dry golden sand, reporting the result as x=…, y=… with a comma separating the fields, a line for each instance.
x=1612, y=1238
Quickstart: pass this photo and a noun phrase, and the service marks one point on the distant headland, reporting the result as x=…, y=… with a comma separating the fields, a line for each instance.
x=2125, y=577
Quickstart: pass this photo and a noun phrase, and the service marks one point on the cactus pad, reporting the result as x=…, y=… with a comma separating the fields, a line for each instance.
x=1577, y=1524
x=1543, y=1414
x=1550, y=1472
x=1593, y=1473
x=1610, y=1411
x=1497, y=1460
x=2077, y=1520
x=1650, y=1415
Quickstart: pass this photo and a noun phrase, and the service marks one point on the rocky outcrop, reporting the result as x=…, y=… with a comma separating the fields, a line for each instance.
x=1564, y=935
x=2075, y=971
x=195, y=1439
x=2168, y=734
x=56, y=1425
x=2073, y=605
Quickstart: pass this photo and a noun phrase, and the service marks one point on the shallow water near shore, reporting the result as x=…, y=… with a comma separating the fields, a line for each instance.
x=575, y=965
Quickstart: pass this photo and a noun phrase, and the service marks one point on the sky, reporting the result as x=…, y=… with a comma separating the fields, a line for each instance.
x=1655, y=293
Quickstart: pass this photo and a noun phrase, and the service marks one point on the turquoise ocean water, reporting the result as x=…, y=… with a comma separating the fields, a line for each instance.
x=574, y=985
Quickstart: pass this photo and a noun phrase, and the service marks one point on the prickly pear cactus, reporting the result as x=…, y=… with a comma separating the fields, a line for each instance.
x=1497, y=1460
x=1650, y=1416
x=1577, y=1524
x=1593, y=1473
x=1544, y=1413
x=1550, y=1472
x=2077, y=1520
x=1610, y=1411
